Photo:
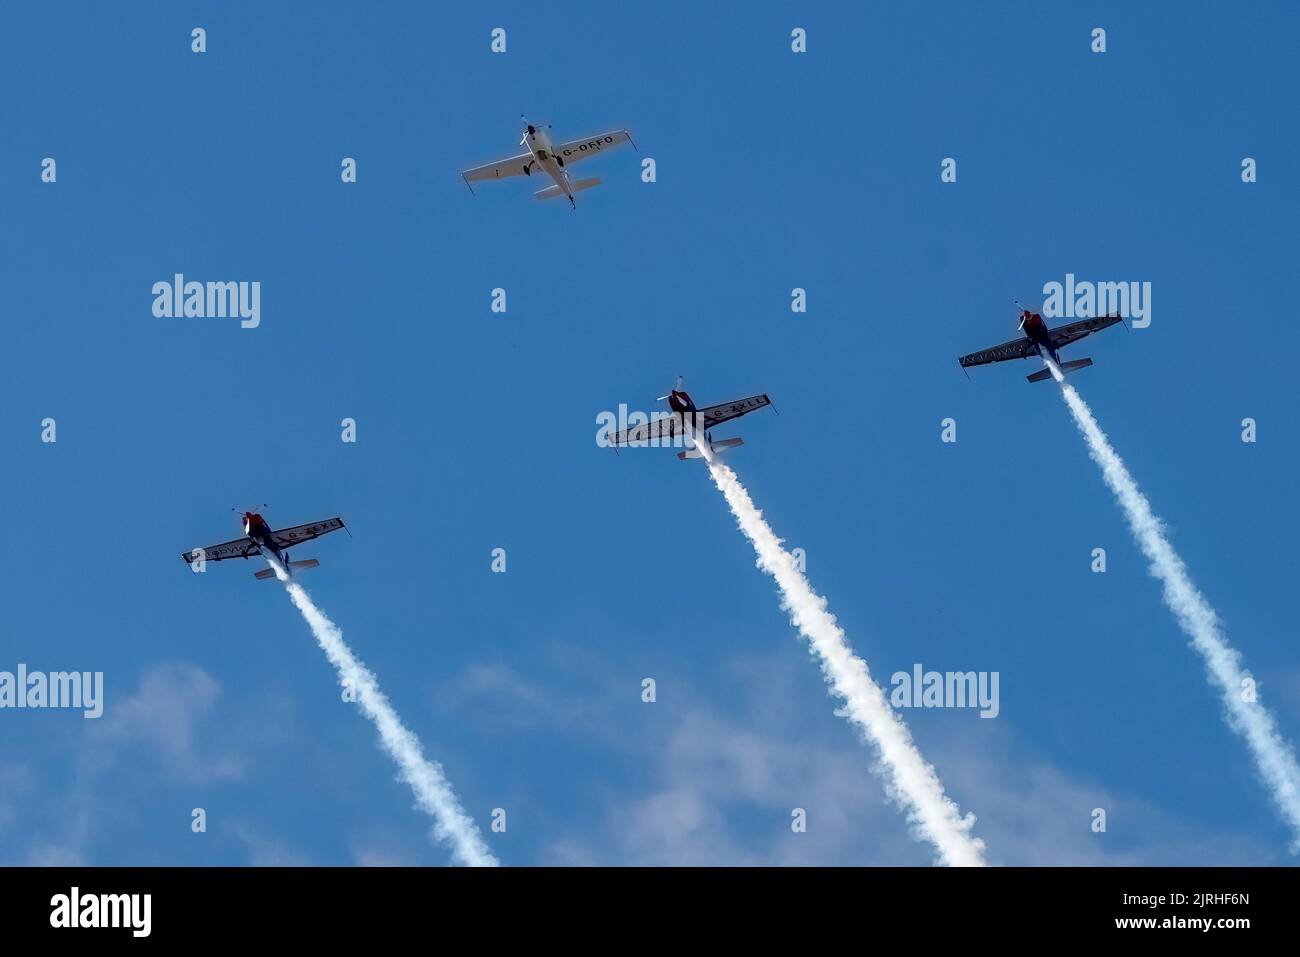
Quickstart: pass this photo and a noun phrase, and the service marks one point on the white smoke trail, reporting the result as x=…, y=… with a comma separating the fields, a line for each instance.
x=909, y=780
x=433, y=793
x=1273, y=756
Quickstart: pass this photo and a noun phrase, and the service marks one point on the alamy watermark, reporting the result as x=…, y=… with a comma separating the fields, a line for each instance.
x=74, y=909
x=946, y=689
x=642, y=430
x=1088, y=300
x=55, y=689
x=211, y=300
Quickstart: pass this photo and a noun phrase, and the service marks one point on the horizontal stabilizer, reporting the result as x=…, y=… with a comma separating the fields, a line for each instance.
x=577, y=187
x=266, y=573
x=721, y=445
x=1066, y=368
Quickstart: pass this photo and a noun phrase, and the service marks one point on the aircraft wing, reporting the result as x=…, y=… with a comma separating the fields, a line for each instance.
x=580, y=149
x=727, y=411
x=514, y=166
x=287, y=537
x=660, y=430
x=1015, y=349
x=1074, y=331
x=239, y=548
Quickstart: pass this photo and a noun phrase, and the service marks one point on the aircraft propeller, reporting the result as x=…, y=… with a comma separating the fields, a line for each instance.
x=1023, y=317
x=531, y=129
x=678, y=389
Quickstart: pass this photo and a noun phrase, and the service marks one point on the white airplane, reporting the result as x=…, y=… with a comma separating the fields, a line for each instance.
x=551, y=159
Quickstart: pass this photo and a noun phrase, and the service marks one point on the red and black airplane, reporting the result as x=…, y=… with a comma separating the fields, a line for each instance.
x=261, y=540
x=1038, y=340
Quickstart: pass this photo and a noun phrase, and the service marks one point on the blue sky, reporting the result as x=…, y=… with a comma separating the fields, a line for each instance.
x=476, y=430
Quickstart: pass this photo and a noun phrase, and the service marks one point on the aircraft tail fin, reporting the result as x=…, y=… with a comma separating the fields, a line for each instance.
x=1073, y=365
x=264, y=574
x=553, y=191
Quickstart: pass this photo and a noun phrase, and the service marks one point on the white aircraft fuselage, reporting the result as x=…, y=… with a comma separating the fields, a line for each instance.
x=544, y=158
